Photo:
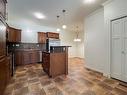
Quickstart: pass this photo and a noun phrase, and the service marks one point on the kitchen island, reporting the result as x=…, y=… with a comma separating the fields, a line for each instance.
x=55, y=61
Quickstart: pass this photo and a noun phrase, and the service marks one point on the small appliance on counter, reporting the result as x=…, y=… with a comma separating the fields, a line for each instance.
x=52, y=42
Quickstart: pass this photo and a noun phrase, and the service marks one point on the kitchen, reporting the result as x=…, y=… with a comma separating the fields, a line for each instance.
x=49, y=50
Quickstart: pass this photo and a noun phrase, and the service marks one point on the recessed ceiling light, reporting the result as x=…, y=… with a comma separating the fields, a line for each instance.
x=39, y=15
x=58, y=30
x=89, y=1
x=64, y=26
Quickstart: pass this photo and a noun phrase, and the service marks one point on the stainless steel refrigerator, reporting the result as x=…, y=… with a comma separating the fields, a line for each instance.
x=52, y=42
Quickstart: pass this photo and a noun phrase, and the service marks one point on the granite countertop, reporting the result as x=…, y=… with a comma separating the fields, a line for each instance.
x=60, y=46
x=27, y=50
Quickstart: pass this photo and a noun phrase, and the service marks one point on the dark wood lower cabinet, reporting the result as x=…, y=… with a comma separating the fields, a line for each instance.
x=54, y=64
x=4, y=73
x=23, y=57
x=46, y=62
x=18, y=58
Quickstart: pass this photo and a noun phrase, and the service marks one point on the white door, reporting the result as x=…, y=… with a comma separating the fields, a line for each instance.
x=119, y=49
x=124, y=75
x=116, y=57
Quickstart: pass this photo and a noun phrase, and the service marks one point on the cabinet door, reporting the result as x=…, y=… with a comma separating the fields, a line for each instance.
x=14, y=35
x=2, y=39
x=17, y=35
x=41, y=37
x=3, y=8
x=56, y=35
x=8, y=70
x=11, y=35
x=46, y=62
x=3, y=76
x=53, y=35
x=26, y=57
x=18, y=58
x=34, y=57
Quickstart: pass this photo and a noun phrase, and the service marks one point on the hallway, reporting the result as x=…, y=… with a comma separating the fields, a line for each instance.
x=31, y=80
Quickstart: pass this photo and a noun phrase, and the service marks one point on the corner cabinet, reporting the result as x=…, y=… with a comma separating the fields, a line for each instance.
x=42, y=37
x=13, y=34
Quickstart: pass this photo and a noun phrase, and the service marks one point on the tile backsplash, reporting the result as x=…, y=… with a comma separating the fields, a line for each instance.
x=14, y=46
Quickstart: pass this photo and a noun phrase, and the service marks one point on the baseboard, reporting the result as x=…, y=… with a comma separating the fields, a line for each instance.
x=94, y=71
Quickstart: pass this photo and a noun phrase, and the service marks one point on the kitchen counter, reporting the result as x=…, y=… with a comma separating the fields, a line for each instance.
x=27, y=50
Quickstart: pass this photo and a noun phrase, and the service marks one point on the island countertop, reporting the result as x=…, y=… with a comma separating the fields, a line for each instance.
x=60, y=46
x=57, y=49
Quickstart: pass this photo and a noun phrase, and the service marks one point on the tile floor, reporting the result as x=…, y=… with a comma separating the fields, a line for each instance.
x=31, y=80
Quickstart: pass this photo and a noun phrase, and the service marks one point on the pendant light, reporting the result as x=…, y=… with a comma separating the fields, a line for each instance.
x=58, y=29
x=77, y=39
x=64, y=26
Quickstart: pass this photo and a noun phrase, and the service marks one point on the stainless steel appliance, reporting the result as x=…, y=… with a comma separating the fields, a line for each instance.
x=52, y=42
x=40, y=53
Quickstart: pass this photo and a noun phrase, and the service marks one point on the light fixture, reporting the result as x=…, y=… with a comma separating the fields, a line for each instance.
x=58, y=30
x=77, y=39
x=39, y=15
x=64, y=18
x=89, y=1
x=58, y=23
x=64, y=26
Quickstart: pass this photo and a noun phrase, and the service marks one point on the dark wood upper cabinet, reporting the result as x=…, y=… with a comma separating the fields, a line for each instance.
x=42, y=37
x=3, y=8
x=52, y=35
x=13, y=35
x=2, y=38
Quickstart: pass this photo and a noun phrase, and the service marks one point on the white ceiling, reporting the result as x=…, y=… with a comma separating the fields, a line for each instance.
x=21, y=11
